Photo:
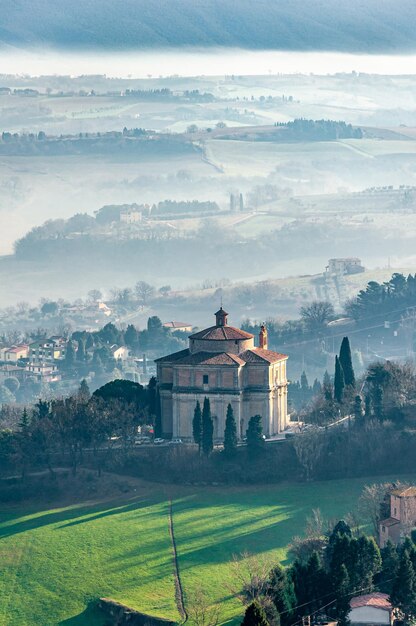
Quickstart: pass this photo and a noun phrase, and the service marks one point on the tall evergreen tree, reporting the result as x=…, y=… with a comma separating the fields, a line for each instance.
x=346, y=362
x=358, y=409
x=69, y=355
x=81, y=355
x=403, y=594
x=341, y=583
x=84, y=391
x=255, y=615
x=390, y=566
x=327, y=386
x=197, y=426
x=283, y=594
x=230, y=433
x=207, y=428
x=254, y=434
x=316, y=581
x=339, y=382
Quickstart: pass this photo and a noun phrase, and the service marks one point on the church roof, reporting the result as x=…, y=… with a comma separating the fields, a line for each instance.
x=259, y=355
x=175, y=356
x=210, y=358
x=221, y=333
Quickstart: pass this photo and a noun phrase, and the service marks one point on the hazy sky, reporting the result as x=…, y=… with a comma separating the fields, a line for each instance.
x=192, y=62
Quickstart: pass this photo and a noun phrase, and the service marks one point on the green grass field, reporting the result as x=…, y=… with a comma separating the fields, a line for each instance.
x=54, y=562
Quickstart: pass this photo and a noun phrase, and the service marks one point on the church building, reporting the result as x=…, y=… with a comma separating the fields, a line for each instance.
x=223, y=364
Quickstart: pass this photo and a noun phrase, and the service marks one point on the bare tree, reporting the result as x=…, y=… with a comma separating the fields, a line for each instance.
x=308, y=447
x=94, y=295
x=144, y=291
x=250, y=576
x=200, y=611
x=317, y=314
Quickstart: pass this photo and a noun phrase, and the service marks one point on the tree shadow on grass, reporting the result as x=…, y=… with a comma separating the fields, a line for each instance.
x=69, y=516
x=91, y=616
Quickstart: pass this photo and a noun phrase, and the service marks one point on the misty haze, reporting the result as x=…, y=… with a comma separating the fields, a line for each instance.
x=207, y=313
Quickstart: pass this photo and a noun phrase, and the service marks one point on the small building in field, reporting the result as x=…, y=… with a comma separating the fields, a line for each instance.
x=184, y=327
x=402, y=516
x=223, y=364
x=341, y=266
x=130, y=215
x=120, y=353
x=373, y=609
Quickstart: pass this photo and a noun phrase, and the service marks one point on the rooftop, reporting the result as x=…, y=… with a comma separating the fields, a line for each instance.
x=404, y=492
x=259, y=355
x=221, y=333
x=376, y=599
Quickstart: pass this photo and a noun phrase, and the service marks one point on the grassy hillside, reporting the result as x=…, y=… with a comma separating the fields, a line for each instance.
x=376, y=25
x=54, y=561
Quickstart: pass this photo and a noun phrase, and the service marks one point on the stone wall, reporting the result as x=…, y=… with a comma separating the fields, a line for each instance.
x=120, y=615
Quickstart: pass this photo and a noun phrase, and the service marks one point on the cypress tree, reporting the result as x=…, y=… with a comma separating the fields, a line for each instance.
x=346, y=362
x=341, y=584
x=403, y=594
x=81, y=355
x=389, y=568
x=69, y=355
x=230, y=433
x=197, y=426
x=282, y=593
x=255, y=615
x=207, y=428
x=254, y=434
x=358, y=409
x=339, y=382
x=316, y=581
x=327, y=387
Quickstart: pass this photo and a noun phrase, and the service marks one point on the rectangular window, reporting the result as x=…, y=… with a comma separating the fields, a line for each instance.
x=205, y=379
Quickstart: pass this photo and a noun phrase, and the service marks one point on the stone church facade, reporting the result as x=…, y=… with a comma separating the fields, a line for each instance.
x=223, y=364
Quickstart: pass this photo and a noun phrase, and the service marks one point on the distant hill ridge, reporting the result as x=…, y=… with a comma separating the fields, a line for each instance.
x=353, y=26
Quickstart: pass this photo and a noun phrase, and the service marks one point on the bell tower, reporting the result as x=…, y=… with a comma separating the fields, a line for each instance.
x=221, y=317
x=263, y=337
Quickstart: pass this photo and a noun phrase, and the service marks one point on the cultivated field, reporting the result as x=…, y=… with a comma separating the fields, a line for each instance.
x=54, y=560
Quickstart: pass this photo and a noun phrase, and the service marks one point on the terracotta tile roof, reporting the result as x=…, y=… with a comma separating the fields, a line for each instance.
x=406, y=492
x=173, y=357
x=221, y=333
x=376, y=599
x=259, y=355
x=211, y=358
x=390, y=521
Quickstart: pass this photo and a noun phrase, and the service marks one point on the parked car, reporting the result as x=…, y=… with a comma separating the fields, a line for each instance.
x=158, y=441
x=175, y=442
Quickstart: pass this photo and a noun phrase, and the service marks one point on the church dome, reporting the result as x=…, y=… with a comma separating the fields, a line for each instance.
x=221, y=337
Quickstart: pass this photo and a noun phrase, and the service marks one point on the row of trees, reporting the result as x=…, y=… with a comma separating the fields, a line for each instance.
x=203, y=431
x=68, y=428
x=384, y=301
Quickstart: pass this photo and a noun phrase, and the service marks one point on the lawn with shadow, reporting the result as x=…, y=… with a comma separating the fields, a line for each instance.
x=54, y=563
x=216, y=524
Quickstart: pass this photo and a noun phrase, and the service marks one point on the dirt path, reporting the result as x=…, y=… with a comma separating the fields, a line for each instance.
x=179, y=596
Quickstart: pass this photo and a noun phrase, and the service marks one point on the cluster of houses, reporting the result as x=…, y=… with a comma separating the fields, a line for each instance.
x=42, y=360
x=37, y=360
